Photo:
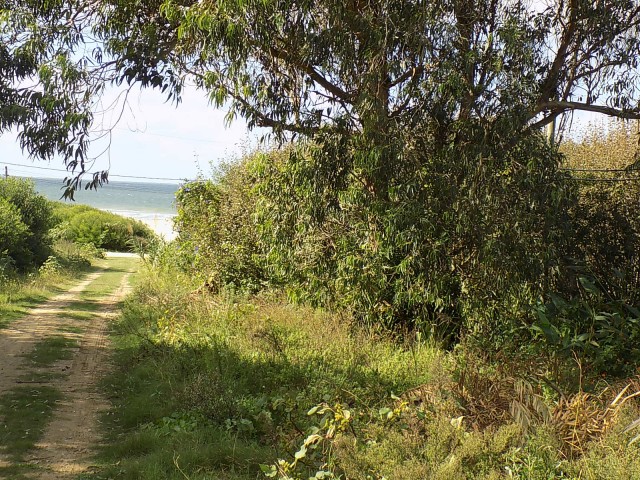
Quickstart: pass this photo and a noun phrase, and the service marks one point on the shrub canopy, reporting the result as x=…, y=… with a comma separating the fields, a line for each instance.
x=30, y=214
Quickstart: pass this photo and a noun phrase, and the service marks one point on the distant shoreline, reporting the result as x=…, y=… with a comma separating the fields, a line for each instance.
x=160, y=223
x=149, y=202
x=144, y=198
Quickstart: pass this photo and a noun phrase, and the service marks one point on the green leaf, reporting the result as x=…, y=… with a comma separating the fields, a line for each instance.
x=384, y=411
x=589, y=286
x=269, y=470
x=301, y=453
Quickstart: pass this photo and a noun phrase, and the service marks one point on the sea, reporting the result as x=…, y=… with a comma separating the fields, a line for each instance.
x=151, y=203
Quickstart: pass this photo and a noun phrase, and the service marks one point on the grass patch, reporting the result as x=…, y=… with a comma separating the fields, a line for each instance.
x=215, y=387
x=71, y=329
x=25, y=412
x=19, y=294
x=226, y=387
x=51, y=350
x=17, y=472
x=114, y=269
x=16, y=298
x=84, y=307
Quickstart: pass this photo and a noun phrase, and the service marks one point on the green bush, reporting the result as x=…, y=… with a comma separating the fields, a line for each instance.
x=456, y=245
x=87, y=225
x=593, y=313
x=607, y=236
x=603, y=333
x=31, y=247
x=13, y=234
x=433, y=256
x=472, y=258
x=217, y=229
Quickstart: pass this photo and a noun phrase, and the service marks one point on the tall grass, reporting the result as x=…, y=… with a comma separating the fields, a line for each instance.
x=240, y=387
x=606, y=145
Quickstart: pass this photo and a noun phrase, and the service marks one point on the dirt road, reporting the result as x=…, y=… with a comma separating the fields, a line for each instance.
x=50, y=364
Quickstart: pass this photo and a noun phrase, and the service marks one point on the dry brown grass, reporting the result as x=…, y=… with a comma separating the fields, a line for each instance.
x=610, y=145
x=487, y=401
x=583, y=417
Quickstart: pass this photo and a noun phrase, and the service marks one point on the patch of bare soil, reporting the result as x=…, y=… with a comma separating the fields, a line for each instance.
x=21, y=336
x=66, y=447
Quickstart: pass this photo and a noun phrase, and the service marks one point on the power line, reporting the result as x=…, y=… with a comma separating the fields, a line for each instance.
x=606, y=180
x=117, y=187
x=186, y=180
x=33, y=166
x=90, y=173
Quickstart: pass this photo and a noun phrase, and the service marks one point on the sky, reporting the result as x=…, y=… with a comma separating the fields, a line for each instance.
x=152, y=139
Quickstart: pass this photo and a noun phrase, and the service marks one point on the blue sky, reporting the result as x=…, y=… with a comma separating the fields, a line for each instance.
x=152, y=139
x=157, y=139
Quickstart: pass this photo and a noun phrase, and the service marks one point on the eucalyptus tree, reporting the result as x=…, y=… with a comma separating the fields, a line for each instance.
x=45, y=88
x=362, y=66
x=421, y=187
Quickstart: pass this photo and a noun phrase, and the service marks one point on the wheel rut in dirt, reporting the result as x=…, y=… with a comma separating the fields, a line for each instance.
x=68, y=438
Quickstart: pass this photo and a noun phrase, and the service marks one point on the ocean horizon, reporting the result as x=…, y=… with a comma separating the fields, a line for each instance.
x=150, y=202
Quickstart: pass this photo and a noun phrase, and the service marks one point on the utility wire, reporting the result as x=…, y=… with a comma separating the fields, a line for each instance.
x=606, y=180
x=134, y=177
x=52, y=182
x=89, y=173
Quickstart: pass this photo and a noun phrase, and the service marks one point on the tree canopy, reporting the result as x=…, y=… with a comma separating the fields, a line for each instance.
x=45, y=93
x=323, y=67
x=300, y=66
x=420, y=184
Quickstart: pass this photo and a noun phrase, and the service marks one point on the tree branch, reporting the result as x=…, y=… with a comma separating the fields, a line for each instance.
x=312, y=72
x=560, y=106
x=413, y=72
x=612, y=112
x=262, y=120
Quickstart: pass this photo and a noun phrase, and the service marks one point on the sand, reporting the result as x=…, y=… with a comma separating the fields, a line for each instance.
x=162, y=225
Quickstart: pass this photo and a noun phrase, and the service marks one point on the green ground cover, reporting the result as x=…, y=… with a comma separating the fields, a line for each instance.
x=250, y=387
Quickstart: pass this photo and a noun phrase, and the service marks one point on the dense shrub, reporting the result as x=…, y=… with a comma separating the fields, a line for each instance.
x=217, y=228
x=606, y=224
x=458, y=244
x=454, y=249
x=593, y=314
x=601, y=332
x=87, y=225
x=607, y=236
x=434, y=256
x=13, y=235
x=27, y=242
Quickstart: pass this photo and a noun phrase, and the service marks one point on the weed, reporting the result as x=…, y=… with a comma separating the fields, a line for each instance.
x=51, y=350
x=240, y=387
x=25, y=412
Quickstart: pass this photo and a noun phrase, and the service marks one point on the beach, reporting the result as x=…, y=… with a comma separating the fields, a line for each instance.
x=151, y=203
x=160, y=223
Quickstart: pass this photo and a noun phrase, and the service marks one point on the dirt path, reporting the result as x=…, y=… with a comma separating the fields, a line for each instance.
x=66, y=444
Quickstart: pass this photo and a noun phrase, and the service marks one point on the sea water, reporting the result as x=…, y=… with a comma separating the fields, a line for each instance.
x=151, y=203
